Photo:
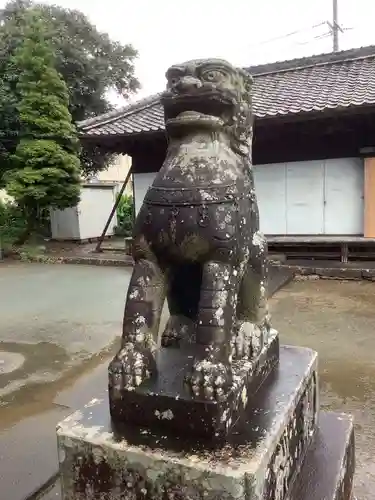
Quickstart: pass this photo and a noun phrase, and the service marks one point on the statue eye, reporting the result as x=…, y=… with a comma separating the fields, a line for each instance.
x=213, y=75
x=173, y=78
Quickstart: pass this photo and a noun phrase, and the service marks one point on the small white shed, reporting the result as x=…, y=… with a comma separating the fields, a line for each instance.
x=88, y=218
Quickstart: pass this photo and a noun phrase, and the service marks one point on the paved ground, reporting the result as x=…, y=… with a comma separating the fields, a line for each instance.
x=114, y=251
x=58, y=316
x=338, y=320
x=54, y=318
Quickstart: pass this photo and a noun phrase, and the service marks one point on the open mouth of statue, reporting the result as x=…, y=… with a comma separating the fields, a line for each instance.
x=210, y=110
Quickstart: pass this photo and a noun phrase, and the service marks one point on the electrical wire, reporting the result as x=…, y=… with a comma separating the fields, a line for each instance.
x=318, y=37
x=287, y=35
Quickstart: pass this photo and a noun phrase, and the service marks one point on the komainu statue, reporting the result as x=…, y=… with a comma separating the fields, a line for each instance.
x=196, y=239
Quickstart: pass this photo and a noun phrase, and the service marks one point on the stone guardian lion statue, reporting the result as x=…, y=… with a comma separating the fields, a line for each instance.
x=196, y=238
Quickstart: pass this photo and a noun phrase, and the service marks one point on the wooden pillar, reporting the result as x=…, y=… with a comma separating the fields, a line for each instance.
x=369, y=191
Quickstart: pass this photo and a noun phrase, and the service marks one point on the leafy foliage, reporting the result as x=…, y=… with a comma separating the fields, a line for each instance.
x=89, y=61
x=125, y=216
x=48, y=175
x=9, y=123
x=45, y=169
x=12, y=224
x=94, y=159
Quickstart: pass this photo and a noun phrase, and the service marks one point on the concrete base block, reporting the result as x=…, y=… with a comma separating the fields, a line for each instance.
x=328, y=469
x=261, y=459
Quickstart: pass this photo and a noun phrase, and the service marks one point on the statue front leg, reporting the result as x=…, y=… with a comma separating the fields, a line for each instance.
x=252, y=309
x=145, y=298
x=212, y=372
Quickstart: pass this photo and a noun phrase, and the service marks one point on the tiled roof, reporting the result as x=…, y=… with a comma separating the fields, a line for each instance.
x=313, y=84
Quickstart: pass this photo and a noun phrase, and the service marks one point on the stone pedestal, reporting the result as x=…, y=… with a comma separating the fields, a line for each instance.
x=165, y=401
x=279, y=450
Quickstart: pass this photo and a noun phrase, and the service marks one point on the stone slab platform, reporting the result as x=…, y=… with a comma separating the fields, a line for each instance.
x=328, y=469
x=167, y=402
x=263, y=454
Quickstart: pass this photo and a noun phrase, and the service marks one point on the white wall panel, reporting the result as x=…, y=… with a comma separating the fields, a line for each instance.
x=343, y=192
x=305, y=197
x=270, y=186
x=141, y=183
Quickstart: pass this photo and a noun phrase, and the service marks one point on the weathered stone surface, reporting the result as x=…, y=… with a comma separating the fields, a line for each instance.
x=197, y=242
x=368, y=274
x=328, y=469
x=311, y=270
x=166, y=402
x=259, y=460
x=28, y=457
x=339, y=273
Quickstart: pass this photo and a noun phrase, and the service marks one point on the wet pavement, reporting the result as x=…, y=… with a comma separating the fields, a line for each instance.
x=338, y=320
x=62, y=323
x=54, y=319
x=28, y=451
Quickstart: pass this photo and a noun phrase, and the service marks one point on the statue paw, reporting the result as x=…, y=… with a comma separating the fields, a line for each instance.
x=178, y=328
x=210, y=378
x=130, y=367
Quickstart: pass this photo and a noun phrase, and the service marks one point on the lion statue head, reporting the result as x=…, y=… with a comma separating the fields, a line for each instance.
x=209, y=94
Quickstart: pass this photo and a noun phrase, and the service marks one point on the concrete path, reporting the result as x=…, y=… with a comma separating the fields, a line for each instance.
x=64, y=320
x=28, y=452
x=338, y=320
x=59, y=326
x=58, y=322
x=53, y=318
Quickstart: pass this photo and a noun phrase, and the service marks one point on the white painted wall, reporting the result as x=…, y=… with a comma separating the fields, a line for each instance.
x=311, y=197
x=315, y=197
x=305, y=197
x=65, y=224
x=344, y=196
x=88, y=219
x=117, y=172
x=270, y=185
x=141, y=183
x=93, y=211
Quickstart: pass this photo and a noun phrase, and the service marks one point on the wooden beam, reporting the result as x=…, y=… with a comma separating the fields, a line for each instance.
x=114, y=208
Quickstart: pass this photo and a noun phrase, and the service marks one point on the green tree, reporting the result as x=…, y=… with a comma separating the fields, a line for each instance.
x=45, y=169
x=9, y=124
x=89, y=61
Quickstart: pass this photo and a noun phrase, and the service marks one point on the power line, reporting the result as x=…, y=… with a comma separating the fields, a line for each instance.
x=319, y=37
x=287, y=35
x=334, y=30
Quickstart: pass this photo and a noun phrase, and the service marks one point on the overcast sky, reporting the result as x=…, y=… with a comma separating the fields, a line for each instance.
x=169, y=31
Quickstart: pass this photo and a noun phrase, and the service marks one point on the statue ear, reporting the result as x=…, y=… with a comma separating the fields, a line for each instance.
x=248, y=81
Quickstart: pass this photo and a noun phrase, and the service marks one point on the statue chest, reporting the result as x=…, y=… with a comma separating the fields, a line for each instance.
x=210, y=173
